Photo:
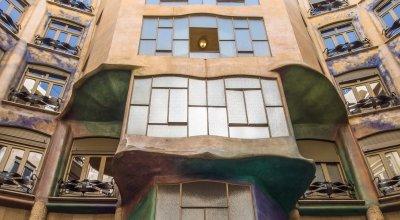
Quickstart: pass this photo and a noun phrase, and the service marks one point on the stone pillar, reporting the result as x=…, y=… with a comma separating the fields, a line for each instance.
x=118, y=213
x=294, y=214
x=374, y=213
x=49, y=173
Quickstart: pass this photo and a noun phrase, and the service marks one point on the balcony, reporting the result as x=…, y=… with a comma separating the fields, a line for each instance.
x=392, y=30
x=86, y=188
x=56, y=45
x=9, y=22
x=329, y=190
x=76, y=4
x=388, y=186
x=319, y=7
x=16, y=182
x=347, y=47
x=373, y=103
x=39, y=101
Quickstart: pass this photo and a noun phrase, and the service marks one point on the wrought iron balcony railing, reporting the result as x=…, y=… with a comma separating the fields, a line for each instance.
x=35, y=100
x=56, y=44
x=16, y=182
x=392, y=30
x=348, y=47
x=388, y=186
x=329, y=190
x=86, y=187
x=373, y=103
x=76, y=4
x=327, y=5
x=9, y=21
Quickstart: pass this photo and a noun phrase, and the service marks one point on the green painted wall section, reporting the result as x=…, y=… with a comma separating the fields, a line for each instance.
x=146, y=209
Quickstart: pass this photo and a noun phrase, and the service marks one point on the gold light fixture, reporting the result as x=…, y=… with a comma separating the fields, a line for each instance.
x=203, y=43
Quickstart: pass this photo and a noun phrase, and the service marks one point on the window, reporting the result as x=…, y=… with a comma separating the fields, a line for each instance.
x=62, y=36
x=366, y=93
x=389, y=14
x=210, y=37
x=204, y=200
x=321, y=6
x=341, y=39
x=41, y=88
x=80, y=4
x=205, y=2
x=232, y=107
x=11, y=12
x=328, y=173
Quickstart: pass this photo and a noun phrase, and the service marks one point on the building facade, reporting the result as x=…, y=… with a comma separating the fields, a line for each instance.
x=199, y=109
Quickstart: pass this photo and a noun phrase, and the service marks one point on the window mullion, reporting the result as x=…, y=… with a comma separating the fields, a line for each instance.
x=23, y=161
x=85, y=168
x=325, y=172
x=5, y=158
x=101, y=168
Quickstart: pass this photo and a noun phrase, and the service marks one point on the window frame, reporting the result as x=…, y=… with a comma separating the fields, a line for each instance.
x=366, y=81
x=85, y=167
x=390, y=11
x=12, y=6
x=67, y=25
x=333, y=33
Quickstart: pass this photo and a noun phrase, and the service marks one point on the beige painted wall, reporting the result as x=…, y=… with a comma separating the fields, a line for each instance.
x=65, y=216
x=14, y=214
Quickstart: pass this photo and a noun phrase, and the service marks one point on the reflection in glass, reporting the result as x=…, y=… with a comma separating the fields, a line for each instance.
x=56, y=91
x=2, y=152
x=394, y=162
x=319, y=175
x=362, y=92
x=28, y=85
x=76, y=167
x=14, y=160
x=376, y=166
x=349, y=95
x=93, y=169
x=42, y=88
x=334, y=172
x=107, y=176
x=32, y=164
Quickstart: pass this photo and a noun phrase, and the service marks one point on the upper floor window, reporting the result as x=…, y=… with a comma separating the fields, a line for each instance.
x=61, y=36
x=389, y=14
x=363, y=91
x=329, y=173
x=204, y=37
x=341, y=39
x=321, y=6
x=41, y=88
x=231, y=107
x=204, y=200
x=205, y=2
x=85, y=5
x=11, y=12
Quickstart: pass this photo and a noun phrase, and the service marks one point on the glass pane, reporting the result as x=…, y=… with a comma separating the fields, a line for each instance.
x=76, y=167
x=394, y=162
x=227, y=48
x=195, y=2
x=215, y=92
x=204, y=194
x=362, y=92
x=243, y=41
x=62, y=37
x=349, y=96
x=165, y=22
x=255, y=107
x=159, y=106
x=257, y=30
x=58, y=25
x=180, y=48
x=203, y=21
x=4, y=5
x=240, y=23
x=251, y=2
x=352, y=36
x=192, y=214
x=177, y=105
x=15, y=15
x=242, y=83
x=319, y=175
x=147, y=47
x=210, y=2
x=42, y=88
x=28, y=85
x=149, y=28
x=217, y=122
x=340, y=39
x=388, y=19
x=141, y=91
x=277, y=122
x=152, y=2
x=249, y=132
x=32, y=164
x=170, y=82
x=14, y=160
x=164, y=39
x=167, y=131
x=197, y=92
x=197, y=121
x=2, y=152
x=217, y=214
x=75, y=30
x=93, y=168
x=272, y=96
x=240, y=202
x=50, y=33
x=56, y=91
x=74, y=41
x=168, y=202
x=329, y=43
x=261, y=48
x=107, y=176
x=334, y=172
x=138, y=120
x=236, y=107
x=377, y=88
x=181, y=28
x=225, y=29
x=397, y=10
x=376, y=166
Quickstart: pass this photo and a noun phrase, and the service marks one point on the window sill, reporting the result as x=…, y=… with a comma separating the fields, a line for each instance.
x=82, y=204
x=389, y=39
x=331, y=201
x=354, y=52
x=53, y=51
x=16, y=199
x=33, y=108
x=371, y=112
x=336, y=10
x=71, y=8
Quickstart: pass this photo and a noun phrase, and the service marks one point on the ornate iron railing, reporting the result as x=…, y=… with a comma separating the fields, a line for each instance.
x=390, y=31
x=381, y=101
x=329, y=190
x=327, y=5
x=348, y=47
x=388, y=186
x=56, y=44
x=9, y=21
x=76, y=4
x=35, y=100
x=16, y=182
x=85, y=187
